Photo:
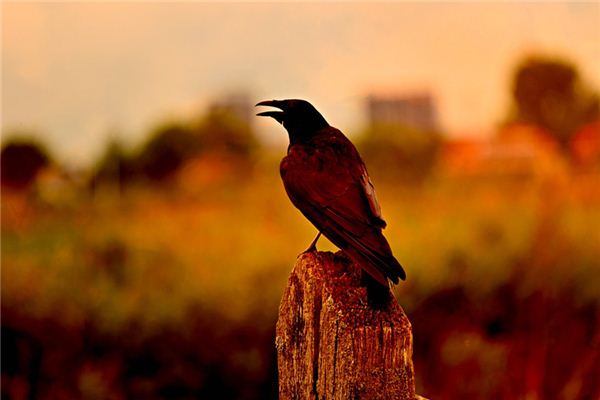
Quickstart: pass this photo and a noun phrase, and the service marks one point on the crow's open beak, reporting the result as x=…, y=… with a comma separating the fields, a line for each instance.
x=276, y=115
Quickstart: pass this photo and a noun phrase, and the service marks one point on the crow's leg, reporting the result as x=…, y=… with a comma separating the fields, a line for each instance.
x=313, y=245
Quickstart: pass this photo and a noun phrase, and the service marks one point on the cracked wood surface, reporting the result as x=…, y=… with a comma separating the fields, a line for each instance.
x=331, y=344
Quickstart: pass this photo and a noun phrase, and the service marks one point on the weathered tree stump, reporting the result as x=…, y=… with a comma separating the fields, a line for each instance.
x=331, y=344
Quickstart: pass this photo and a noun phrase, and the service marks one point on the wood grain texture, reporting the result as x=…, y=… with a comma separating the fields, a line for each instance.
x=331, y=344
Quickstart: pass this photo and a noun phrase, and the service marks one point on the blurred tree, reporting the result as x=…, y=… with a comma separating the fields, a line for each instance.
x=114, y=167
x=400, y=151
x=167, y=150
x=223, y=131
x=171, y=145
x=550, y=93
x=21, y=161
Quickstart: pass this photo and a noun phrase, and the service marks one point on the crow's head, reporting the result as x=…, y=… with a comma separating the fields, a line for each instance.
x=298, y=117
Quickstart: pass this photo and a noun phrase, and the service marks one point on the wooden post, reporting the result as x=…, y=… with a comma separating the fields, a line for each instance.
x=332, y=345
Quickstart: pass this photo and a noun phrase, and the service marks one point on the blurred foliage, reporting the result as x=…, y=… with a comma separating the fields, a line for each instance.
x=114, y=166
x=21, y=160
x=174, y=295
x=403, y=152
x=550, y=93
x=149, y=293
x=170, y=146
x=167, y=149
x=222, y=131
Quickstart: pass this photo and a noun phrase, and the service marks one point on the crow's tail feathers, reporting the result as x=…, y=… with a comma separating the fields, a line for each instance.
x=381, y=267
x=379, y=263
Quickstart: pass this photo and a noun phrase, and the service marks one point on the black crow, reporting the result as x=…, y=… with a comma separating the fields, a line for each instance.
x=326, y=179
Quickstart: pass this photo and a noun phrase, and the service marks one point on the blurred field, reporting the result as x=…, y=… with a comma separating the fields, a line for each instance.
x=173, y=292
x=147, y=238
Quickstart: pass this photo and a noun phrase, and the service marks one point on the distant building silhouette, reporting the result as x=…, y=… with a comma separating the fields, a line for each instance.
x=414, y=110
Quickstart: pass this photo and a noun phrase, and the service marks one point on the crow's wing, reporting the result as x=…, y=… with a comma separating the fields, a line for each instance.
x=329, y=184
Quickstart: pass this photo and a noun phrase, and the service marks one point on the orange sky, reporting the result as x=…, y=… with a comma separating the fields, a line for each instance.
x=77, y=71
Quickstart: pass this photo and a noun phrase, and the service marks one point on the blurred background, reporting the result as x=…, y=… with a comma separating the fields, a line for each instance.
x=147, y=238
